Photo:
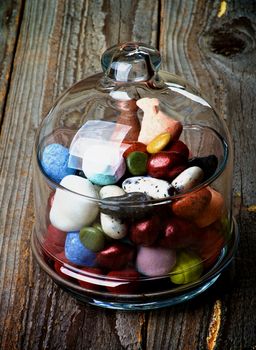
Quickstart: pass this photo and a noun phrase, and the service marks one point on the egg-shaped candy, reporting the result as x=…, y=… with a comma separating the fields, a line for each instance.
x=188, y=268
x=188, y=179
x=116, y=256
x=145, y=231
x=155, y=261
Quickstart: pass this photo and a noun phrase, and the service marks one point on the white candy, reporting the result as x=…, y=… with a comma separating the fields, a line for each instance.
x=153, y=187
x=103, y=164
x=188, y=179
x=70, y=211
x=111, y=191
x=113, y=227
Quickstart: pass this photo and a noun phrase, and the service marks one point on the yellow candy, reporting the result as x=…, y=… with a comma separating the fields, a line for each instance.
x=188, y=268
x=159, y=143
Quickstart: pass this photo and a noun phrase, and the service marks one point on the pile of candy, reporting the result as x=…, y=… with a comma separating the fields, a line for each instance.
x=127, y=229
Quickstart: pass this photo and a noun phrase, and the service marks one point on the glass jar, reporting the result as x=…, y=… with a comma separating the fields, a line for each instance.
x=133, y=186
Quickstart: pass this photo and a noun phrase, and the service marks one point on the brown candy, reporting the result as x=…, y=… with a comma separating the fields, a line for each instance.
x=133, y=146
x=145, y=231
x=191, y=205
x=116, y=256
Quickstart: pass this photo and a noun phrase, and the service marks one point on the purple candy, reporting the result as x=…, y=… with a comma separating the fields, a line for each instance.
x=155, y=261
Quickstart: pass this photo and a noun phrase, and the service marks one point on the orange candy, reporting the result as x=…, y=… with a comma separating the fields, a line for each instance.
x=190, y=206
x=213, y=211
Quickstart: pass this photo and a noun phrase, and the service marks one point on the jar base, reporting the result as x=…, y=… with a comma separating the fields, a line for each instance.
x=147, y=301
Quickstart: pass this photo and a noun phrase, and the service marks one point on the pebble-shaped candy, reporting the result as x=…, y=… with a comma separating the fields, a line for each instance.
x=103, y=164
x=134, y=146
x=155, y=261
x=70, y=211
x=76, y=252
x=207, y=164
x=213, y=211
x=188, y=268
x=130, y=205
x=55, y=162
x=145, y=231
x=154, y=188
x=159, y=142
x=112, y=226
x=54, y=240
x=116, y=256
x=92, y=238
x=137, y=163
x=160, y=164
x=192, y=204
x=111, y=191
x=209, y=245
x=178, y=233
x=179, y=147
x=188, y=179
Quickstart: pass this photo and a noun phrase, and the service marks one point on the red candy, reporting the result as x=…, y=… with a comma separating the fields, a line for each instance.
x=160, y=164
x=179, y=147
x=178, y=233
x=134, y=146
x=87, y=284
x=145, y=231
x=54, y=240
x=115, y=257
x=124, y=287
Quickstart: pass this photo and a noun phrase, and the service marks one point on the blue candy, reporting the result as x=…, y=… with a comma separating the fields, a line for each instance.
x=76, y=252
x=55, y=162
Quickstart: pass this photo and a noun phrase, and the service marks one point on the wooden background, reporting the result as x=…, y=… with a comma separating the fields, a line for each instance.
x=46, y=46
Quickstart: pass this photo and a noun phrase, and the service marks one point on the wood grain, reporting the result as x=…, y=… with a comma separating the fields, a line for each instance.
x=59, y=42
x=10, y=19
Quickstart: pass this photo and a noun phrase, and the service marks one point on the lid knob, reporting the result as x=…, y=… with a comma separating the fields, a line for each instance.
x=131, y=62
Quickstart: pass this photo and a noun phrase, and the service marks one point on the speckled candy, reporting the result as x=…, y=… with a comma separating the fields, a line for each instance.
x=188, y=268
x=113, y=227
x=76, y=252
x=188, y=179
x=192, y=204
x=155, y=261
x=154, y=188
x=137, y=163
x=69, y=211
x=55, y=162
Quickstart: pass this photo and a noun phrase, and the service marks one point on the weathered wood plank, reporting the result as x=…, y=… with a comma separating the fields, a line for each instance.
x=60, y=42
x=217, y=53
x=10, y=19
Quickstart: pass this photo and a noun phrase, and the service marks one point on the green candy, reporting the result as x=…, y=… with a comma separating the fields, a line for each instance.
x=188, y=268
x=137, y=163
x=92, y=238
